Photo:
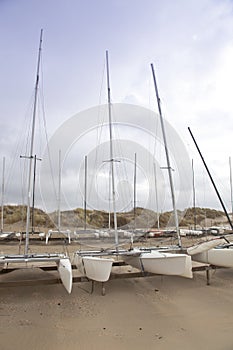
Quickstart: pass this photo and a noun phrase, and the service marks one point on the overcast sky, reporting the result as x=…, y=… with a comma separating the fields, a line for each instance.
x=189, y=42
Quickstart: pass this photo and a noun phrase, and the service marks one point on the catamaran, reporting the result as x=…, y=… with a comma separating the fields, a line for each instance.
x=160, y=261
x=61, y=260
x=218, y=251
x=98, y=268
x=97, y=265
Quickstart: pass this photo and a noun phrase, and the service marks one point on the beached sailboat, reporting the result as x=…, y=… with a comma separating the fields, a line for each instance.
x=61, y=260
x=98, y=268
x=218, y=256
x=216, y=251
x=158, y=261
x=94, y=264
x=205, y=246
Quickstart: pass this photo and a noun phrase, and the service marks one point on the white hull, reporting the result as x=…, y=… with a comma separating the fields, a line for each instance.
x=65, y=272
x=97, y=268
x=205, y=246
x=66, y=233
x=220, y=257
x=5, y=235
x=161, y=263
x=63, y=263
x=167, y=264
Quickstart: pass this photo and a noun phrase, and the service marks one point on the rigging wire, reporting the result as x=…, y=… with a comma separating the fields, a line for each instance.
x=46, y=132
x=99, y=133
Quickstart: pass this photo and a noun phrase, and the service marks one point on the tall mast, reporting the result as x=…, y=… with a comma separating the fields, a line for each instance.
x=134, y=188
x=109, y=201
x=194, y=199
x=59, y=194
x=3, y=192
x=216, y=190
x=167, y=157
x=32, y=146
x=111, y=153
x=85, y=195
x=231, y=187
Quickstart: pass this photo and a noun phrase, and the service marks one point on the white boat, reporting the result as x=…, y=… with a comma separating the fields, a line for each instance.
x=217, y=256
x=65, y=272
x=97, y=268
x=62, y=260
x=184, y=232
x=151, y=261
x=156, y=261
x=160, y=262
x=65, y=233
x=205, y=246
x=167, y=263
x=5, y=235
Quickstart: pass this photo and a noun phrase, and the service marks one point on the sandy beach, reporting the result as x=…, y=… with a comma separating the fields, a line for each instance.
x=150, y=312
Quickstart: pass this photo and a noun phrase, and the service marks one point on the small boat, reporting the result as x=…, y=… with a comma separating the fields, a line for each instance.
x=219, y=256
x=65, y=233
x=97, y=268
x=93, y=265
x=205, y=246
x=65, y=272
x=61, y=260
x=167, y=263
x=6, y=235
x=161, y=263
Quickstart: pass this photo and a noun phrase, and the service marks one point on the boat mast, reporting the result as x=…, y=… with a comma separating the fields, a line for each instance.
x=59, y=194
x=231, y=187
x=134, y=188
x=194, y=199
x=167, y=157
x=3, y=192
x=109, y=201
x=85, y=194
x=32, y=146
x=216, y=190
x=111, y=153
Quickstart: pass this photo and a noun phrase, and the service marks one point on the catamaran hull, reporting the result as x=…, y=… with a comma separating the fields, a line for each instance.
x=97, y=268
x=161, y=263
x=167, y=264
x=219, y=256
x=63, y=263
x=205, y=246
x=65, y=272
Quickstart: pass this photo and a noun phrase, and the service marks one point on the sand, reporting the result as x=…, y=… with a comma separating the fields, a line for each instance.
x=140, y=313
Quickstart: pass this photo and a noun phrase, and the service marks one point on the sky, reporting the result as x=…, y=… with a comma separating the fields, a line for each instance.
x=190, y=44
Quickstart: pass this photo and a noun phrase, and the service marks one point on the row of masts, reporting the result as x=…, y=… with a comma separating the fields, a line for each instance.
x=112, y=168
